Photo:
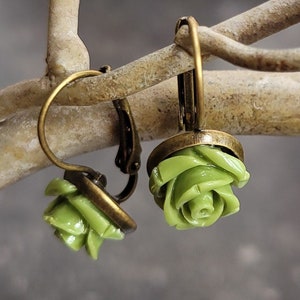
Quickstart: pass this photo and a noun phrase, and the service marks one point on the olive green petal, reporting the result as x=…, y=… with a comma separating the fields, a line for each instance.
x=94, y=217
x=207, y=219
x=155, y=183
x=226, y=161
x=172, y=215
x=113, y=233
x=196, y=180
x=75, y=242
x=231, y=202
x=54, y=203
x=65, y=217
x=208, y=210
x=191, y=152
x=201, y=206
x=93, y=244
x=185, y=226
x=217, y=213
x=170, y=168
x=242, y=181
x=58, y=186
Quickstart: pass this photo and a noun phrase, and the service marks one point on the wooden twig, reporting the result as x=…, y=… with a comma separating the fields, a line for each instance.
x=153, y=68
x=238, y=54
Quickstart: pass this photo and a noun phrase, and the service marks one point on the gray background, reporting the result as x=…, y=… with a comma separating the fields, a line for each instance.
x=254, y=254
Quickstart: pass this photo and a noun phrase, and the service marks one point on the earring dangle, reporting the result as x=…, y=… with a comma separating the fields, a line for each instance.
x=192, y=173
x=83, y=212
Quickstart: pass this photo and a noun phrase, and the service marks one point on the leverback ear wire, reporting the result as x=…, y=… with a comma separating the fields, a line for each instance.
x=191, y=173
x=190, y=84
x=90, y=182
x=192, y=112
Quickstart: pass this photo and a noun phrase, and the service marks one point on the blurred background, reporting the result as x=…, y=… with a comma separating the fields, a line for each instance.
x=254, y=254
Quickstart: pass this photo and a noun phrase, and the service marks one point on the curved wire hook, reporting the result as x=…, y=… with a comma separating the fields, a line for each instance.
x=192, y=105
x=128, y=157
x=41, y=126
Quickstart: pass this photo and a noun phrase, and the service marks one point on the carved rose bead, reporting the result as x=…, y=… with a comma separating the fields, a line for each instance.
x=76, y=220
x=195, y=186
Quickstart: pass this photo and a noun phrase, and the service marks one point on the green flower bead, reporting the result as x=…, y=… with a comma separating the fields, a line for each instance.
x=77, y=221
x=194, y=186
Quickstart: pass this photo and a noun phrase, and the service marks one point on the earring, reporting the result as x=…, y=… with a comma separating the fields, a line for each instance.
x=191, y=173
x=83, y=212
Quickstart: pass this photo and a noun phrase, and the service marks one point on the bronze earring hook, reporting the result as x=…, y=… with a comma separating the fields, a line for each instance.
x=191, y=174
x=41, y=125
x=191, y=111
x=190, y=84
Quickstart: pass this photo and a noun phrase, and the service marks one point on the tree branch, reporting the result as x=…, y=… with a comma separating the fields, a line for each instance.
x=158, y=66
x=66, y=53
x=238, y=54
x=258, y=104
x=261, y=21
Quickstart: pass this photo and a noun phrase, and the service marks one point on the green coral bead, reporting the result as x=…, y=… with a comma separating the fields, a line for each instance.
x=77, y=221
x=194, y=186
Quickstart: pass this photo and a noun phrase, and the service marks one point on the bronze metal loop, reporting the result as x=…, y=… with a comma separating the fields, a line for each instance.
x=190, y=84
x=42, y=119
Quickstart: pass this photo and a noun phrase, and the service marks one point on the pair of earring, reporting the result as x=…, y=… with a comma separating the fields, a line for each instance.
x=190, y=174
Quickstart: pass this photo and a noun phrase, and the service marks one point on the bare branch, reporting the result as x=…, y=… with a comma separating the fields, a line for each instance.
x=258, y=104
x=261, y=21
x=151, y=69
x=66, y=52
x=238, y=54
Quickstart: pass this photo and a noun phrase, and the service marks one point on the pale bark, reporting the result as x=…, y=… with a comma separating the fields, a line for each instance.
x=154, y=68
x=66, y=53
x=257, y=102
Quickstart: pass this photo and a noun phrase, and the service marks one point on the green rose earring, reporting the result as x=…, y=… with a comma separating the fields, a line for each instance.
x=192, y=173
x=83, y=212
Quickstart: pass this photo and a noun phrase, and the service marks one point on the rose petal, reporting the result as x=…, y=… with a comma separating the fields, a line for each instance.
x=170, y=168
x=202, y=206
x=231, y=202
x=218, y=209
x=59, y=186
x=213, y=207
x=93, y=243
x=96, y=219
x=172, y=215
x=227, y=162
x=198, y=208
x=75, y=242
x=64, y=216
x=192, y=152
x=196, y=180
x=114, y=233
